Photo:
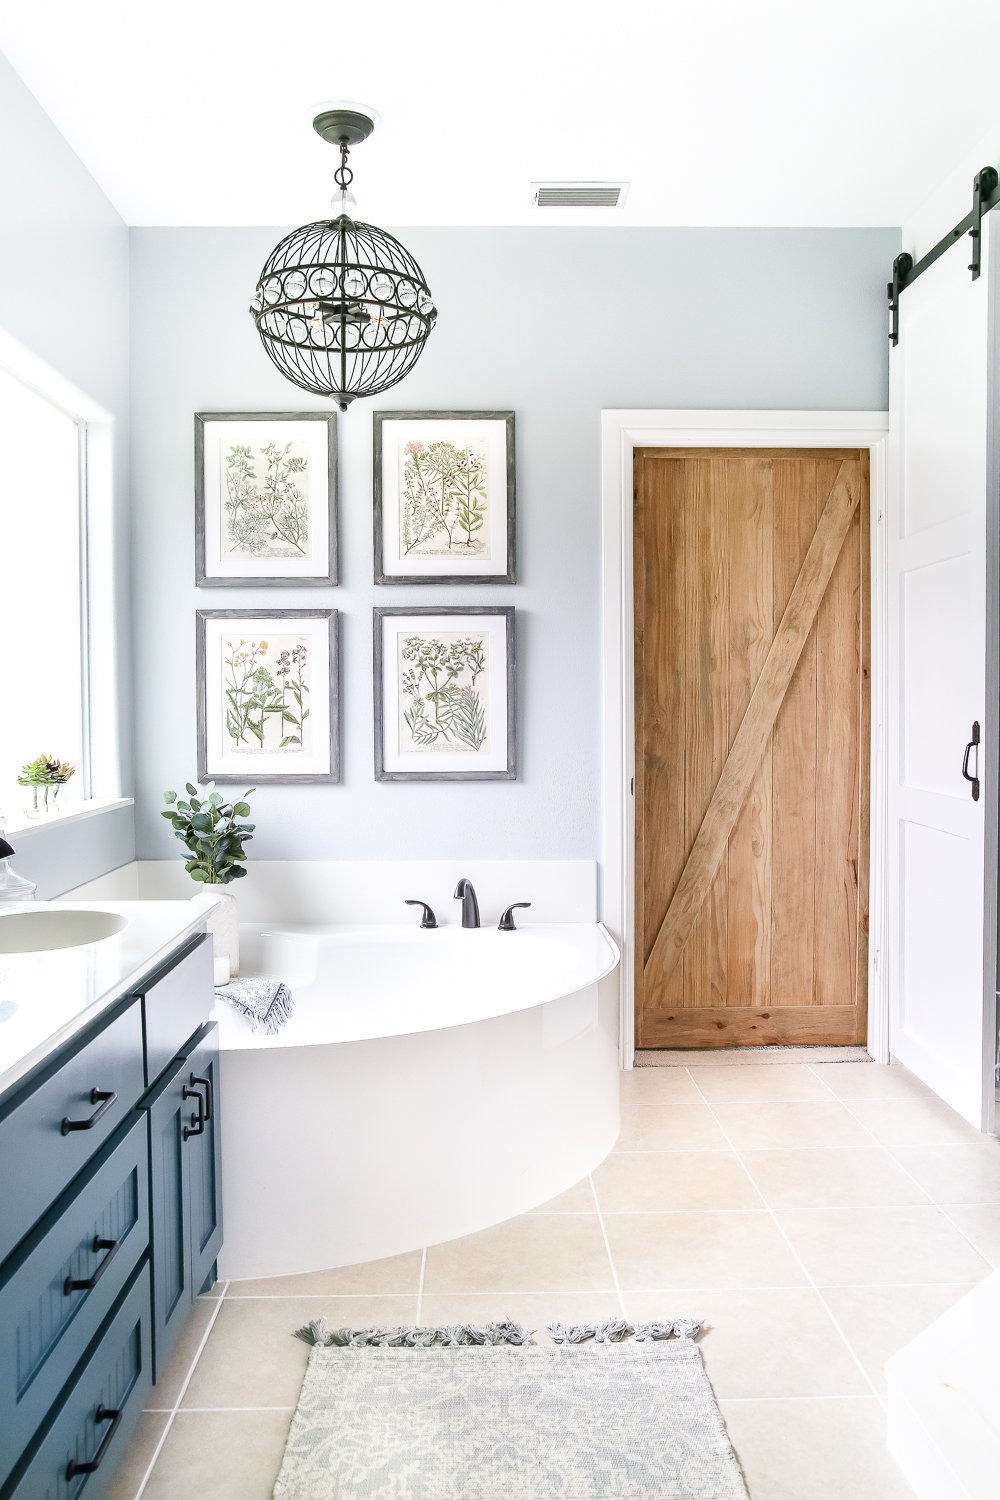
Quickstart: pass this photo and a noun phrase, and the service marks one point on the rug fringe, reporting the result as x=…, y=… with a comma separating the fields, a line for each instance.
x=320, y=1335
x=450, y=1335
x=614, y=1330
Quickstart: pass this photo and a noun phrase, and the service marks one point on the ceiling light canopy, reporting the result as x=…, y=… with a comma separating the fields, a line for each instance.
x=342, y=308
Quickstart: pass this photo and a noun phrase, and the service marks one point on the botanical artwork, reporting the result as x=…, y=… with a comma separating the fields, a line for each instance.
x=265, y=499
x=444, y=499
x=443, y=692
x=266, y=685
x=268, y=695
x=265, y=512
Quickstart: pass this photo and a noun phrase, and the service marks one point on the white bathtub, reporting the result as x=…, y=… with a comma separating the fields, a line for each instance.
x=428, y=1084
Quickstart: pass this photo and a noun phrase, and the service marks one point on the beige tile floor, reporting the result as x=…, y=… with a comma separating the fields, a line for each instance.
x=816, y=1215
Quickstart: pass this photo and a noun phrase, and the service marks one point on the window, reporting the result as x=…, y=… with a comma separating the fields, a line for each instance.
x=42, y=588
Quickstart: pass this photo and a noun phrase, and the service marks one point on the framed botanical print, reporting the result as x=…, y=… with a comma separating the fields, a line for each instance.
x=265, y=498
x=444, y=694
x=268, y=695
x=444, y=497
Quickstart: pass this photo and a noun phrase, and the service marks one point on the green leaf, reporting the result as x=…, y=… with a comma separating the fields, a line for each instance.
x=238, y=872
x=196, y=804
x=290, y=739
x=215, y=800
x=170, y=796
x=192, y=791
x=198, y=874
x=241, y=809
x=201, y=823
x=169, y=815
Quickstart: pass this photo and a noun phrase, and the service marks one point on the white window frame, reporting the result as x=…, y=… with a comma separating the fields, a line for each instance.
x=101, y=762
x=621, y=433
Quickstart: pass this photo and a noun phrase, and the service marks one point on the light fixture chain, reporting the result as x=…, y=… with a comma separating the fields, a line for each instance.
x=343, y=176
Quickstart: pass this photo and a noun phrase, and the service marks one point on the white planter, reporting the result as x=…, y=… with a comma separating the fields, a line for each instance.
x=224, y=925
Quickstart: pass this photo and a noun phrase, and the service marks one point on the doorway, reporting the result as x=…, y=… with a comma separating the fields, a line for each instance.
x=752, y=745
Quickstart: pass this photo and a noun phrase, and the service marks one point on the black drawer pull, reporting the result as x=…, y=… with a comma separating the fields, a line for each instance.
x=972, y=745
x=205, y=1083
x=102, y=1414
x=69, y=1285
x=103, y=1098
x=197, y=1126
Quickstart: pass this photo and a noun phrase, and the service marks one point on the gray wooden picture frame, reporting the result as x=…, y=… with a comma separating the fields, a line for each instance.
x=325, y=580
x=332, y=616
x=379, y=420
x=443, y=611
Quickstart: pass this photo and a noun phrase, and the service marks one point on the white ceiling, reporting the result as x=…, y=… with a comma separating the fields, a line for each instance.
x=807, y=112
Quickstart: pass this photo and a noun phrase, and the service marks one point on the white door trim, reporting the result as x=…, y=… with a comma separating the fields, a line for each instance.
x=621, y=433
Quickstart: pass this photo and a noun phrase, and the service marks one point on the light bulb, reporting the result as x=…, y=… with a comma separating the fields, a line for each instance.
x=354, y=284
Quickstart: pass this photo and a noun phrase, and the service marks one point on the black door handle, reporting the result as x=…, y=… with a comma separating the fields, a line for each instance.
x=197, y=1126
x=206, y=1084
x=103, y=1098
x=972, y=745
x=69, y=1285
x=102, y=1414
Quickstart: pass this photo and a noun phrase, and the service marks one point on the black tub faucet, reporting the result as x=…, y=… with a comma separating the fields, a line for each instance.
x=466, y=892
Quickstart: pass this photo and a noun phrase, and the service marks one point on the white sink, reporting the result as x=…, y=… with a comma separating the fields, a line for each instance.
x=42, y=931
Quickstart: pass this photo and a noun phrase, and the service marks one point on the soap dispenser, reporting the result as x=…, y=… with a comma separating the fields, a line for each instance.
x=14, y=889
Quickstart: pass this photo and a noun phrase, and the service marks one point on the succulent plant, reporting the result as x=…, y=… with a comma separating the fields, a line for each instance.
x=45, y=770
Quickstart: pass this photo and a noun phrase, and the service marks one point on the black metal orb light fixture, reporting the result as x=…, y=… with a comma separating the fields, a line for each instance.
x=342, y=308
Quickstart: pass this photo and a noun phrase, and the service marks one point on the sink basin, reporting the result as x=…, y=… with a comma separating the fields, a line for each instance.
x=43, y=931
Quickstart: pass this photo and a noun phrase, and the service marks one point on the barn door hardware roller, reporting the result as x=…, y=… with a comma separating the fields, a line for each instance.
x=985, y=196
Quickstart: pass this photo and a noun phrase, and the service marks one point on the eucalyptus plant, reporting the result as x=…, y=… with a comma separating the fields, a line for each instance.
x=212, y=830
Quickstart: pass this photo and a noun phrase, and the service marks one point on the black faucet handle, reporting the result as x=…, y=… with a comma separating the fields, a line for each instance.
x=428, y=919
x=506, y=923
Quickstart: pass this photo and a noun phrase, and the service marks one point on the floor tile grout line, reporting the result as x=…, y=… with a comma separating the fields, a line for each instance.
x=941, y=1208
x=181, y=1393
x=607, y=1244
x=420, y=1287
x=802, y=1265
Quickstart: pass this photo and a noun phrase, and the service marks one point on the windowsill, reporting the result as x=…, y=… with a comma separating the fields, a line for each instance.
x=22, y=826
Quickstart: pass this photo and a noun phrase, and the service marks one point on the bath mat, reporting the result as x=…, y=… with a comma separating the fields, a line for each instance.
x=610, y=1412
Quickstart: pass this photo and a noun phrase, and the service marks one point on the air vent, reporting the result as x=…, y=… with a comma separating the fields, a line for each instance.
x=579, y=194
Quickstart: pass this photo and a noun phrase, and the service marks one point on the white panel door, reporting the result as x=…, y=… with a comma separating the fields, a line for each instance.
x=936, y=629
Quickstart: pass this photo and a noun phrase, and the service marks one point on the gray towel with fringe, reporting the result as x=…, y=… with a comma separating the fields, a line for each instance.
x=266, y=1003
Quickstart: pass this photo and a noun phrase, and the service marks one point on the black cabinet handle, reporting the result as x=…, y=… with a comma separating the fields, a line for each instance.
x=102, y=1414
x=197, y=1126
x=103, y=1098
x=972, y=745
x=69, y=1285
x=206, y=1084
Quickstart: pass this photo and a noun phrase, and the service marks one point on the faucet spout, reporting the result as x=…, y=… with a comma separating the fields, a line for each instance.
x=465, y=892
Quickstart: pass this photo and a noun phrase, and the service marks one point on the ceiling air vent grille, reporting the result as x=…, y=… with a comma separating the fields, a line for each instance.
x=579, y=194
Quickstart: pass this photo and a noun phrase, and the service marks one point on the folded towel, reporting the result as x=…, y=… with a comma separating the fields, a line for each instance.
x=266, y=1003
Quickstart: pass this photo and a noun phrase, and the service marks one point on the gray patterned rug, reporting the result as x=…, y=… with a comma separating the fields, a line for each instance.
x=609, y=1412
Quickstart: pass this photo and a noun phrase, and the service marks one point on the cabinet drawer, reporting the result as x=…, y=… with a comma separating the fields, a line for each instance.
x=52, y=1130
x=89, y=1433
x=61, y=1285
x=176, y=1002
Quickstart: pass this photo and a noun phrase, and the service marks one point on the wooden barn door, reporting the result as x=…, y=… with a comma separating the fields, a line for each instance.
x=752, y=746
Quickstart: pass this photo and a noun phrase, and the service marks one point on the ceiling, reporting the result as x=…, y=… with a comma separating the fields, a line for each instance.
x=789, y=112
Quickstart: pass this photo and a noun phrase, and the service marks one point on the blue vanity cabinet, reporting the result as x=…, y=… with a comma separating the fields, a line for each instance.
x=185, y=1181
x=110, y=1224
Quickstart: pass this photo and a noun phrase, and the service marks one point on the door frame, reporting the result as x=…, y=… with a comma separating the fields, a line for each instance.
x=622, y=431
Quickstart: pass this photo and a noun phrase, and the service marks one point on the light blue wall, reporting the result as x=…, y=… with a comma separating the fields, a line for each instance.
x=556, y=324
x=64, y=258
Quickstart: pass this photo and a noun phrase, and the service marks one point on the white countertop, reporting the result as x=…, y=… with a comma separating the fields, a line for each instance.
x=45, y=998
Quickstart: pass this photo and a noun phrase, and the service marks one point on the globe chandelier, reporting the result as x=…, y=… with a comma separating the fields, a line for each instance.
x=342, y=308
